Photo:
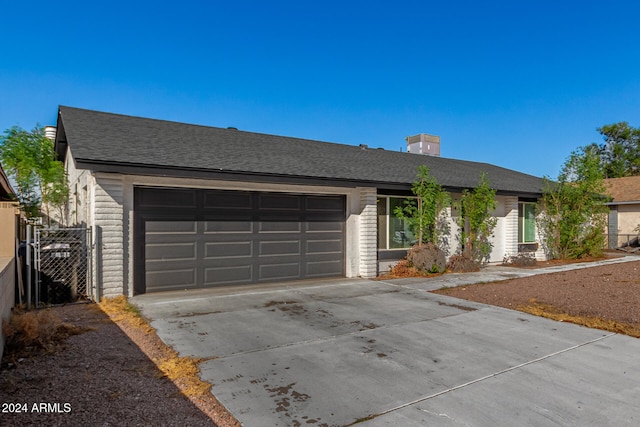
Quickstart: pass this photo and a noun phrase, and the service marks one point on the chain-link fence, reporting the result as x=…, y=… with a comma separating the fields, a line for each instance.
x=62, y=265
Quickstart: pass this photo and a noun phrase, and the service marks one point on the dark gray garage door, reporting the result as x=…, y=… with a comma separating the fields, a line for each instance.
x=194, y=238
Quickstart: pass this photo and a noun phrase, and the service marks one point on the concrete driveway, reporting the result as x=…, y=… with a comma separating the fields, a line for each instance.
x=335, y=352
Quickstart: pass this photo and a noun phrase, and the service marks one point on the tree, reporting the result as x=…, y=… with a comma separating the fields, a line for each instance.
x=476, y=222
x=619, y=154
x=572, y=211
x=426, y=213
x=30, y=160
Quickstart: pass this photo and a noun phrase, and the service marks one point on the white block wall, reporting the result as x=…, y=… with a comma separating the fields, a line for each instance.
x=110, y=199
x=511, y=225
x=368, y=233
x=498, y=239
x=511, y=216
x=505, y=236
x=108, y=221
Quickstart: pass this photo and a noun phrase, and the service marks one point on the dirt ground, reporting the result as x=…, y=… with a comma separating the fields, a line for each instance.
x=610, y=293
x=109, y=376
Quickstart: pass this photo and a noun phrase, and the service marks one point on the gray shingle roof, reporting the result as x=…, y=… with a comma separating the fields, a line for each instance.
x=104, y=138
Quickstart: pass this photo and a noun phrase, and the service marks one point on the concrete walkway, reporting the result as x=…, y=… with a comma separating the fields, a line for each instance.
x=387, y=353
x=496, y=273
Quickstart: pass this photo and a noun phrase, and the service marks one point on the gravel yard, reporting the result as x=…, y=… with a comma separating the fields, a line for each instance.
x=103, y=377
x=107, y=376
x=610, y=292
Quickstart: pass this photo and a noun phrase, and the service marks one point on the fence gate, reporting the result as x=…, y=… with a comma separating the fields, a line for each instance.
x=62, y=265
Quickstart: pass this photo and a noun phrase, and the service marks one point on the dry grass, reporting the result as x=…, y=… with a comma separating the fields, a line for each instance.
x=120, y=310
x=551, y=312
x=29, y=333
x=183, y=371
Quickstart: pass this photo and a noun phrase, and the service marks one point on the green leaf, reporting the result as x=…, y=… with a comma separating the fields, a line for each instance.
x=30, y=160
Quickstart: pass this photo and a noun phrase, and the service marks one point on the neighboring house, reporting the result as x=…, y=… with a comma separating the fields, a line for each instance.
x=624, y=209
x=6, y=191
x=9, y=216
x=179, y=206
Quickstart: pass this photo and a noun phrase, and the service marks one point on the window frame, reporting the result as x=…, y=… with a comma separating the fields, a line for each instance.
x=387, y=238
x=523, y=221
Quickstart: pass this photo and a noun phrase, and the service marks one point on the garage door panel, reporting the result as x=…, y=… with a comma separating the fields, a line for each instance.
x=171, y=251
x=280, y=271
x=169, y=279
x=280, y=248
x=284, y=202
x=323, y=268
x=228, y=200
x=170, y=238
x=229, y=249
x=330, y=246
x=166, y=198
x=228, y=275
x=236, y=226
x=279, y=226
x=324, y=226
x=171, y=227
x=325, y=204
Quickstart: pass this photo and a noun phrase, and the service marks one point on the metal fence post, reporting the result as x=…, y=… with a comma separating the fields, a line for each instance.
x=28, y=262
x=97, y=240
x=89, y=261
x=36, y=252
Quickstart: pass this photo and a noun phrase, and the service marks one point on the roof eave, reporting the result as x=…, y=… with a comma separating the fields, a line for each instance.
x=221, y=174
x=229, y=175
x=6, y=190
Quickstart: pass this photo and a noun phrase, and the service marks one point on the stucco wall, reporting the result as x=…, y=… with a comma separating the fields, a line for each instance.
x=8, y=220
x=7, y=291
x=628, y=218
x=8, y=223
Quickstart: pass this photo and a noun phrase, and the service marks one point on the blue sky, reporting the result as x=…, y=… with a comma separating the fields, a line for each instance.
x=519, y=84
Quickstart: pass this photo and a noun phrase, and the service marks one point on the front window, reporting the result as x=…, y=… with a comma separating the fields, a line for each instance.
x=526, y=222
x=393, y=232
